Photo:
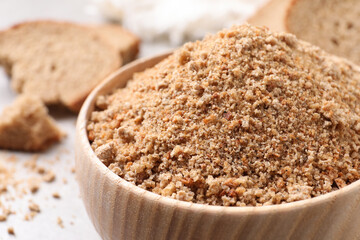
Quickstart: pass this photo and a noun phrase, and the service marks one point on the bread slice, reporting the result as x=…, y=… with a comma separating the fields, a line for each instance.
x=330, y=24
x=25, y=125
x=271, y=15
x=57, y=61
x=126, y=43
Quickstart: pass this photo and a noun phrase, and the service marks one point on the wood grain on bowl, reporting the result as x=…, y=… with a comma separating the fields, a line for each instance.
x=120, y=210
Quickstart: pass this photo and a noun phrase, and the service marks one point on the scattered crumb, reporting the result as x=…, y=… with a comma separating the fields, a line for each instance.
x=11, y=231
x=56, y=195
x=49, y=176
x=3, y=218
x=41, y=170
x=33, y=187
x=73, y=170
x=3, y=189
x=32, y=163
x=60, y=222
x=34, y=207
x=15, y=186
x=7, y=211
x=30, y=215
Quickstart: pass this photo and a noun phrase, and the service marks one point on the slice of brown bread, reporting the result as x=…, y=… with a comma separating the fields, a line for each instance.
x=126, y=43
x=331, y=24
x=25, y=125
x=59, y=62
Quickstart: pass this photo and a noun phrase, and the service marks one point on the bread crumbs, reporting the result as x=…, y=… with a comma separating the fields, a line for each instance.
x=3, y=218
x=49, y=176
x=56, y=195
x=30, y=215
x=245, y=117
x=11, y=231
x=34, y=207
x=16, y=185
x=60, y=222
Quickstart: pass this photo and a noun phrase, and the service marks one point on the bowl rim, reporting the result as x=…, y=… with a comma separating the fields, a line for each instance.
x=170, y=202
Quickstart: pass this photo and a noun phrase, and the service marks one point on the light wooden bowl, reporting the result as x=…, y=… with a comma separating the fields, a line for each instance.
x=120, y=210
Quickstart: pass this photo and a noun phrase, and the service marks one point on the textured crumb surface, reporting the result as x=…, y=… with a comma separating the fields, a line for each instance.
x=244, y=117
x=126, y=43
x=25, y=125
x=330, y=24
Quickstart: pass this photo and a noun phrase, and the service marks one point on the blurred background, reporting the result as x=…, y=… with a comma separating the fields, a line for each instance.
x=163, y=24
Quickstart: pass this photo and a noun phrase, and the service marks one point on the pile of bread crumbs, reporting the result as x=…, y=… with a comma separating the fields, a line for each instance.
x=244, y=117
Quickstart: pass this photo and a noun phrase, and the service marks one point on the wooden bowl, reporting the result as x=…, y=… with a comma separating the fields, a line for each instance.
x=120, y=210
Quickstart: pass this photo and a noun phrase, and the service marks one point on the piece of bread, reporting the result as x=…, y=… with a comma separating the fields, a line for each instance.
x=57, y=61
x=271, y=15
x=330, y=24
x=126, y=43
x=25, y=125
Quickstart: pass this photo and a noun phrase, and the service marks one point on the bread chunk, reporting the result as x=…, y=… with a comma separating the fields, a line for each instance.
x=26, y=126
x=329, y=24
x=57, y=61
